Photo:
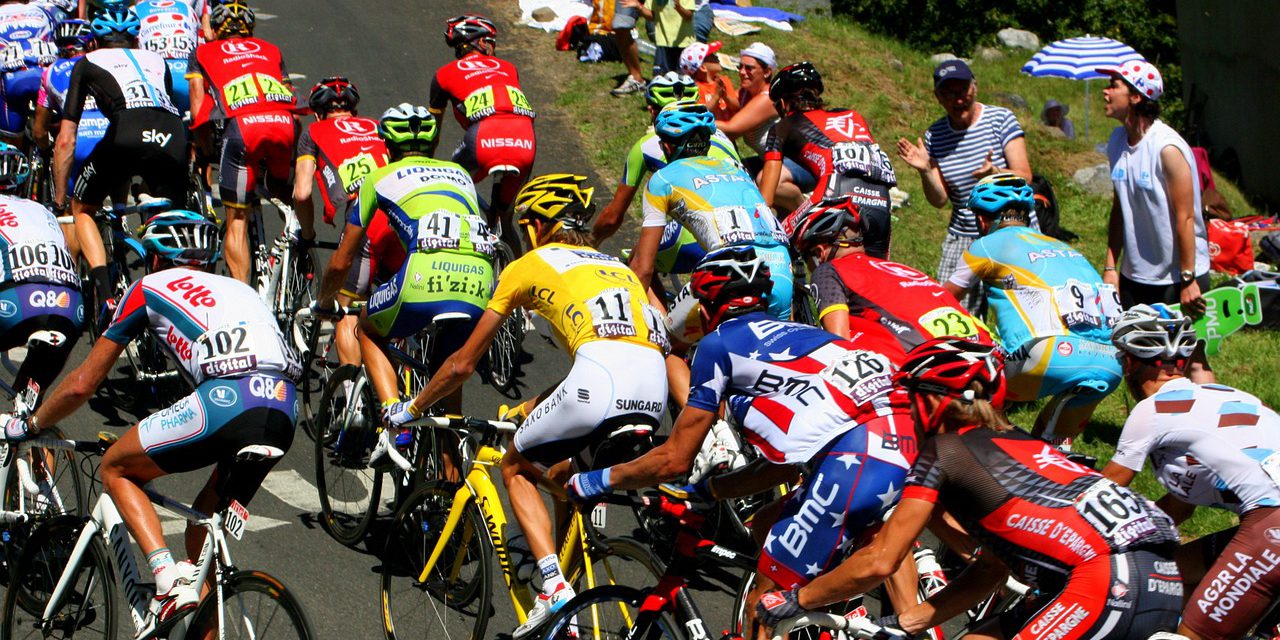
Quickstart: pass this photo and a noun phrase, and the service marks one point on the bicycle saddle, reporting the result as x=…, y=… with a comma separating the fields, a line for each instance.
x=258, y=453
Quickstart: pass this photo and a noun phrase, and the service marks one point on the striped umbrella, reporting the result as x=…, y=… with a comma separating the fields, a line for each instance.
x=1077, y=59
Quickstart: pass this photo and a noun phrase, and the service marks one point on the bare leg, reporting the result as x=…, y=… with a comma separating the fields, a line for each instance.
x=235, y=245
x=126, y=468
x=87, y=233
x=521, y=478
x=381, y=373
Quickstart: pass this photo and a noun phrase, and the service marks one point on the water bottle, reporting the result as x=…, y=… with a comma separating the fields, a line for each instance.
x=522, y=560
x=932, y=578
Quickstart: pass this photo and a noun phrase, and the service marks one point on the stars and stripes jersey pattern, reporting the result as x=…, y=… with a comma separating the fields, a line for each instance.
x=792, y=388
x=211, y=326
x=1209, y=445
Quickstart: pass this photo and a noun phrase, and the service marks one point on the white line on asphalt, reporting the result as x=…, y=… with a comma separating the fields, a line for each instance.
x=292, y=489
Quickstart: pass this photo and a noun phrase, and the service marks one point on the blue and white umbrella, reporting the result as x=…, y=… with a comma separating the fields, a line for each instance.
x=1078, y=59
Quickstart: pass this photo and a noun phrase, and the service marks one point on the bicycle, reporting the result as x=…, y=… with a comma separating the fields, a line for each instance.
x=502, y=364
x=73, y=565
x=446, y=535
x=284, y=274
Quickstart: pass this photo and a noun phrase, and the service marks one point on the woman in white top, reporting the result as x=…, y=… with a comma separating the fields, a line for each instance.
x=757, y=115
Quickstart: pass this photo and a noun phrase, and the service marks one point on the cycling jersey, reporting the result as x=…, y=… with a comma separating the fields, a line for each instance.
x=26, y=35
x=24, y=25
x=243, y=76
x=430, y=205
x=33, y=247
x=646, y=156
x=479, y=86
x=212, y=326
x=120, y=80
x=910, y=305
x=172, y=29
x=713, y=198
x=345, y=150
x=585, y=295
x=1209, y=445
x=1041, y=513
x=1038, y=287
x=93, y=125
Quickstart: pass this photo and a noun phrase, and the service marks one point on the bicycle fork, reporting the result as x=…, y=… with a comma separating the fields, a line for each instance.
x=105, y=518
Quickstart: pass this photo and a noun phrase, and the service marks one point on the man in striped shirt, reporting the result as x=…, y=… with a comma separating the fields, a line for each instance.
x=971, y=141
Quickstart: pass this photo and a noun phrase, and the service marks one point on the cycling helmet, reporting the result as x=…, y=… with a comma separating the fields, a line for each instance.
x=996, y=193
x=827, y=224
x=668, y=88
x=563, y=198
x=334, y=92
x=948, y=367
x=1154, y=332
x=13, y=167
x=680, y=119
x=467, y=29
x=116, y=22
x=791, y=79
x=233, y=18
x=729, y=282
x=73, y=35
x=407, y=128
x=182, y=238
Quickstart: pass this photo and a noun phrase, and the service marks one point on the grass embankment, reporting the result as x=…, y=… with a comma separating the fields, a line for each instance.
x=890, y=85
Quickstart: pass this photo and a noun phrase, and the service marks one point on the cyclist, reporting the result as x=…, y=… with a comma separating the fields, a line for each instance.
x=1053, y=312
x=225, y=341
x=58, y=10
x=171, y=29
x=431, y=207
x=39, y=285
x=1101, y=554
x=833, y=144
x=73, y=38
x=242, y=80
x=145, y=136
x=1209, y=445
x=857, y=293
x=26, y=33
x=339, y=150
x=489, y=104
x=598, y=310
x=803, y=398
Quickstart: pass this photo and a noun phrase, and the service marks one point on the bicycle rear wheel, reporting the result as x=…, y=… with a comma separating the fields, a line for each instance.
x=346, y=431
x=508, y=344
x=89, y=606
x=610, y=613
x=255, y=605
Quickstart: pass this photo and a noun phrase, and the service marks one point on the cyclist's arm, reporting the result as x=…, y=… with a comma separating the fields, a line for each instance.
x=752, y=478
x=80, y=385
x=1119, y=474
x=459, y=367
x=770, y=176
x=304, y=177
x=437, y=99
x=836, y=321
x=40, y=127
x=645, y=253
x=335, y=274
x=963, y=278
x=757, y=110
x=1176, y=508
x=833, y=300
x=973, y=584
x=609, y=220
x=670, y=459
x=64, y=152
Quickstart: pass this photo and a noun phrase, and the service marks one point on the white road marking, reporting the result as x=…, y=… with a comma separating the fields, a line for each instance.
x=297, y=76
x=265, y=16
x=174, y=524
x=292, y=489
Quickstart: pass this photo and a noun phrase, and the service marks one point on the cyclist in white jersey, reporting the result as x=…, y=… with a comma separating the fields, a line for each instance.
x=171, y=29
x=221, y=337
x=1209, y=445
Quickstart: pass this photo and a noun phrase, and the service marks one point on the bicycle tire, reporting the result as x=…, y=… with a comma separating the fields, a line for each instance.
x=62, y=493
x=503, y=358
x=90, y=608
x=319, y=364
x=349, y=490
x=452, y=604
x=571, y=622
x=239, y=591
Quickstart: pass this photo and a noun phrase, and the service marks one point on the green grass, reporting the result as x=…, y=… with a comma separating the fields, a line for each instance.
x=889, y=84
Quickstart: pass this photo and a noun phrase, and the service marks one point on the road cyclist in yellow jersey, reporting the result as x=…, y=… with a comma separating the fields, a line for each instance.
x=599, y=312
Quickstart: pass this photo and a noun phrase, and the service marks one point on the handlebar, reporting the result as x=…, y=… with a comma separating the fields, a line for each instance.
x=853, y=627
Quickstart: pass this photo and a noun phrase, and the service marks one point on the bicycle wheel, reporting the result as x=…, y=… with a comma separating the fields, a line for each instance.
x=503, y=359
x=60, y=490
x=346, y=431
x=626, y=561
x=610, y=613
x=255, y=605
x=89, y=607
x=453, y=601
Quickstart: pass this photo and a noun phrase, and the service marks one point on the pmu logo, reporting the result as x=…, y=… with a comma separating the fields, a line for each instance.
x=355, y=127
x=240, y=47
x=479, y=64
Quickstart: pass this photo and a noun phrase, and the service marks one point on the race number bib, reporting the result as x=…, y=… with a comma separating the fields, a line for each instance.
x=13, y=56
x=226, y=351
x=441, y=229
x=611, y=313
x=173, y=47
x=1271, y=464
x=734, y=224
x=1078, y=304
x=1117, y=513
x=860, y=159
x=1109, y=304
x=353, y=170
x=949, y=321
x=43, y=260
x=251, y=88
x=861, y=375
x=141, y=94
x=657, y=328
x=481, y=103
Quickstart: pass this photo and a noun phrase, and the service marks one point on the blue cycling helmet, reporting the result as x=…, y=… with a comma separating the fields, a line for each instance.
x=995, y=194
x=73, y=35
x=182, y=237
x=116, y=22
x=14, y=168
x=687, y=127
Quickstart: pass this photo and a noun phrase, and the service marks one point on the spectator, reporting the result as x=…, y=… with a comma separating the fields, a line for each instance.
x=1157, y=247
x=972, y=141
x=1055, y=115
x=757, y=114
x=715, y=90
x=624, y=20
x=673, y=29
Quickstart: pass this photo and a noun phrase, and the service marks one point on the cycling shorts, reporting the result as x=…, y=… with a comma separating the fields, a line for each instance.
x=181, y=87
x=90, y=131
x=678, y=251
x=1057, y=365
x=684, y=319
x=499, y=140
x=837, y=504
x=29, y=307
x=145, y=142
x=220, y=417
x=1112, y=597
x=427, y=285
x=611, y=384
x=381, y=256
x=1243, y=581
x=20, y=90
x=256, y=147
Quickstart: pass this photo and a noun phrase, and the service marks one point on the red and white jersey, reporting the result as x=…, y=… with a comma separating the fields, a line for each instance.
x=479, y=86
x=213, y=326
x=33, y=246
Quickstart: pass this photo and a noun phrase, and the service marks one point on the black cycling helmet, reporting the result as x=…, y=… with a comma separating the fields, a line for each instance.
x=73, y=36
x=469, y=29
x=334, y=92
x=789, y=81
x=233, y=18
x=829, y=223
x=729, y=282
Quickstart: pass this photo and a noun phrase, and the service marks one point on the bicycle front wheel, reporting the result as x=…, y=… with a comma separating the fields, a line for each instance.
x=346, y=431
x=611, y=613
x=60, y=491
x=88, y=606
x=452, y=602
x=255, y=605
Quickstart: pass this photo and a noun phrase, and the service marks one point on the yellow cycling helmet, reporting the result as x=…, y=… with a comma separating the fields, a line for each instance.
x=562, y=198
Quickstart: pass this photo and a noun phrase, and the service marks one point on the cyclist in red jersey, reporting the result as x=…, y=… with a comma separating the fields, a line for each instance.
x=858, y=293
x=338, y=150
x=490, y=106
x=833, y=144
x=242, y=80
x=1101, y=555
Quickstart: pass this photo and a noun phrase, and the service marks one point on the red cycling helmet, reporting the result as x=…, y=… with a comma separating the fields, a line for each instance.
x=466, y=29
x=729, y=282
x=948, y=367
x=827, y=223
x=334, y=92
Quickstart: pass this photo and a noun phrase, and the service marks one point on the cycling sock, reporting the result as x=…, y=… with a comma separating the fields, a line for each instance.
x=163, y=567
x=101, y=283
x=549, y=566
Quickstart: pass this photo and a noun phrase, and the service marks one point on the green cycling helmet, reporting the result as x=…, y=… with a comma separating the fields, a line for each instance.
x=407, y=128
x=667, y=88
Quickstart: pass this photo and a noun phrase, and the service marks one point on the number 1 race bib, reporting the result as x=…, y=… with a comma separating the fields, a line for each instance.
x=611, y=313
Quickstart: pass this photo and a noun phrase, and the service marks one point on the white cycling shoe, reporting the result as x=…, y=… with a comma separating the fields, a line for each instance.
x=544, y=607
x=184, y=595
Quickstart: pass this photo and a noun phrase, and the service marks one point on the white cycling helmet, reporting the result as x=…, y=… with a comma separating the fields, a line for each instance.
x=1156, y=331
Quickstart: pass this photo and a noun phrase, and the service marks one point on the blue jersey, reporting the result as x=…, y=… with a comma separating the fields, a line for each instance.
x=1038, y=287
x=715, y=199
x=24, y=24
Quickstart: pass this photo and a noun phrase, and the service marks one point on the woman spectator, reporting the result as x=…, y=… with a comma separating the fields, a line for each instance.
x=972, y=141
x=1054, y=115
x=757, y=115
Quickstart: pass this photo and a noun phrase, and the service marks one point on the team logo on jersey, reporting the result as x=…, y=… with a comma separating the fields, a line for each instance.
x=845, y=126
x=240, y=47
x=1273, y=534
x=163, y=4
x=479, y=64
x=1065, y=349
x=8, y=309
x=898, y=270
x=268, y=388
x=355, y=127
x=48, y=299
x=224, y=397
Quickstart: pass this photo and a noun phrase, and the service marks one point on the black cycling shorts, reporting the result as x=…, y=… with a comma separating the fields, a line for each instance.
x=149, y=143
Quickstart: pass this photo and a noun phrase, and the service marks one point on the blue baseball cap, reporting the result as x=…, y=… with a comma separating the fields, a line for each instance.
x=954, y=69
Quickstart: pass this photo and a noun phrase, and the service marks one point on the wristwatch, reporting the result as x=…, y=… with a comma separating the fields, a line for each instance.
x=1187, y=275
